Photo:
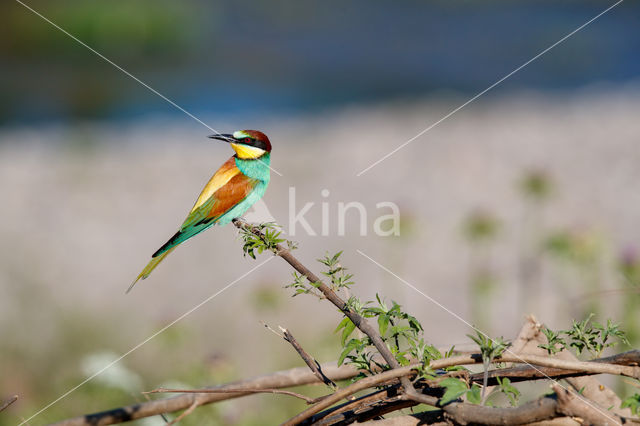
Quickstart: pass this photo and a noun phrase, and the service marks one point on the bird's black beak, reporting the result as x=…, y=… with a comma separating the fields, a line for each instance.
x=223, y=137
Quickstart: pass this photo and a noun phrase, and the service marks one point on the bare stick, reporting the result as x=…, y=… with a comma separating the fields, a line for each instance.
x=163, y=415
x=571, y=405
x=6, y=403
x=310, y=361
x=241, y=390
x=281, y=379
x=272, y=330
x=528, y=372
x=185, y=413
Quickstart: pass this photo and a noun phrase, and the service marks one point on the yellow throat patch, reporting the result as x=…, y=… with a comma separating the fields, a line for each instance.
x=246, y=152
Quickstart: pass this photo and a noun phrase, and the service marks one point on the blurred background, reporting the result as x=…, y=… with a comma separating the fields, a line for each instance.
x=526, y=201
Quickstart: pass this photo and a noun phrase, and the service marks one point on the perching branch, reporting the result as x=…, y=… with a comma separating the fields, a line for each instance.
x=360, y=322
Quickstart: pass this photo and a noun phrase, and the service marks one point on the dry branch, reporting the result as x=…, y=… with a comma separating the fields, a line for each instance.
x=361, y=384
x=619, y=363
x=308, y=359
x=7, y=402
x=302, y=375
x=186, y=412
x=570, y=404
x=588, y=367
x=305, y=398
x=282, y=379
x=391, y=397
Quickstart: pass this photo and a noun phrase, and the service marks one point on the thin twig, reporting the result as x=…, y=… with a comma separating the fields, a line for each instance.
x=162, y=415
x=7, y=402
x=272, y=330
x=240, y=390
x=185, y=413
x=308, y=359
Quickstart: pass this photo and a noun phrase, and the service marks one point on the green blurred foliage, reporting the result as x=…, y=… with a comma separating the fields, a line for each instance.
x=145, y=35
x=582, y=247
x=137, y=31
x=481, y=227
x=629, y=267
x=481, y=230
x=536, y=185
x=267, y=297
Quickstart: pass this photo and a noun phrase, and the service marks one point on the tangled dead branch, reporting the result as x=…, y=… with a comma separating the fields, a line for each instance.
x=402, y=386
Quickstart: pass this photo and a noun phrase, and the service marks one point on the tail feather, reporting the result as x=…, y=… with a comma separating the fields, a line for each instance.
x=150, y=267
x=183, y=235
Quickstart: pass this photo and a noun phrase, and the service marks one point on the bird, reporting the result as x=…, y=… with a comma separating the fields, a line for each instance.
x=239, y=183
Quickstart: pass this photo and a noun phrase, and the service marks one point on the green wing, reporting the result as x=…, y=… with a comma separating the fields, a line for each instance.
x=222, y=201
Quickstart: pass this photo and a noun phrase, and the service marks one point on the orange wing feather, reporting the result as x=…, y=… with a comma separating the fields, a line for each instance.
x=231, y=194
x=224, y=174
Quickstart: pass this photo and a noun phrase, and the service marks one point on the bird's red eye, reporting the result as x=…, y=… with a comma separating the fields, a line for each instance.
x=246, y=140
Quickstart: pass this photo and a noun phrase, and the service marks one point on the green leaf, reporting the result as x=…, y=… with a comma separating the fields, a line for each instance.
x=433, y=352
x=383, y=324
x=633, y=402
x=509, y=390
x=353, y=344
x=474, y=395
x=402, y=359
x=455, y=388
x=450, y=352
x=348, y=329
x=376, y=311
x=414, y=324
x=342, y=324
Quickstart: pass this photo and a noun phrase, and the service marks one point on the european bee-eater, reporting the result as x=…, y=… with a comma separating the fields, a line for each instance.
x=234, y=188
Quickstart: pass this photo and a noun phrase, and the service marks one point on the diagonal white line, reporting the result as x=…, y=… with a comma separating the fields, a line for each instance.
x=64, y=395
x=489, y=88
x=129, y=74
x=585, y=400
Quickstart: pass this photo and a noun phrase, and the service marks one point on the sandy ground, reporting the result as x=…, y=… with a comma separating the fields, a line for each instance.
x=83, y=208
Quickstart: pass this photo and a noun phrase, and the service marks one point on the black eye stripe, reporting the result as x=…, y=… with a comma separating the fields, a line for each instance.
x=254, y=142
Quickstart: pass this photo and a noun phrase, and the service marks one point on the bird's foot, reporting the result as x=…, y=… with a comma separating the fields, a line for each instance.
x=239, y=221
